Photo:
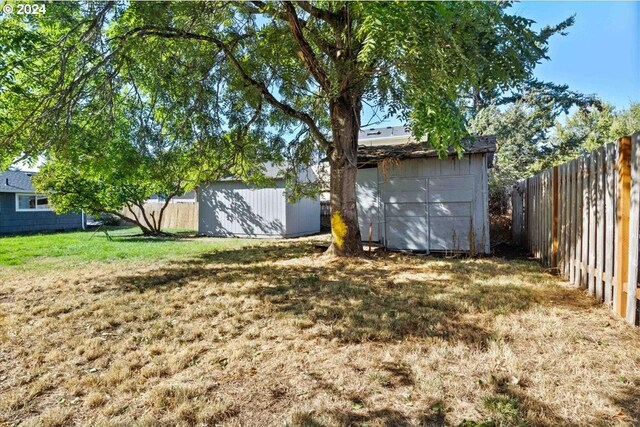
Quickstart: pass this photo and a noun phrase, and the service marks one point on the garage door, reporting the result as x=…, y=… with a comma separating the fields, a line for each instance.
x=405, y=212
x=428, y=214
x=450, y=211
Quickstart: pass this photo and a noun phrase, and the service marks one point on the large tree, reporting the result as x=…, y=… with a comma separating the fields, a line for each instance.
x=297, y=72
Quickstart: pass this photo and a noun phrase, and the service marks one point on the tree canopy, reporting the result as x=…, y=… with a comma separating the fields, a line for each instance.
x=290, y=76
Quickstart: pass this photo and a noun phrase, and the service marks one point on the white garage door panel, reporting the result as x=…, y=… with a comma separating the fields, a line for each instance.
x=450, y=209
x=405, y=197
x=451, y=189
x=449, y=233
x=403, y=184
x=403, y=190
x=407, y=233
x=404, y=209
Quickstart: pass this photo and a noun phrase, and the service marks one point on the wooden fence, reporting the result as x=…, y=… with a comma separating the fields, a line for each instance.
x=176, y=215
x=583, y=219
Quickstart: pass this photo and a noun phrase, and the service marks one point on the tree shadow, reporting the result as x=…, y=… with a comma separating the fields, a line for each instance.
x=357, y=304
x=628, y=398
x=227, y=213
x=378, y=417
x=254, y=254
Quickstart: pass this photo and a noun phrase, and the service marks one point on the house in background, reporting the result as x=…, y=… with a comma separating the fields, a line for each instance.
x=230, y=207
x=24, y=211
x=412, y=200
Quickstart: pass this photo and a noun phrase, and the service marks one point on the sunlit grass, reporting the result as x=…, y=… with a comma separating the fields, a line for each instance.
x=55, y=250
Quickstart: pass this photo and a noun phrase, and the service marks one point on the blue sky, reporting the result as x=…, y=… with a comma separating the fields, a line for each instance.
x=600, y=54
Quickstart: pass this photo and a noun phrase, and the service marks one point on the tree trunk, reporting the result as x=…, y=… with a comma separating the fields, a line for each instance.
x=148, y=228
x=343, y=157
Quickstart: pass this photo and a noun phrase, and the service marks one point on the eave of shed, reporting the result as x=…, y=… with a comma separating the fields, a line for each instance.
x=369, y=155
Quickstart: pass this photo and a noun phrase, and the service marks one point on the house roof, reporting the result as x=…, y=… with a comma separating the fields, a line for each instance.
x=12, y=181
x=380, y=133
x=372, y=154
x=277, y=172
x=270, y=170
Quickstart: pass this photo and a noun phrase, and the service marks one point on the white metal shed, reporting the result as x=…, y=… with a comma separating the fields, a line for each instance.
x=231, y=208
x=413, y=200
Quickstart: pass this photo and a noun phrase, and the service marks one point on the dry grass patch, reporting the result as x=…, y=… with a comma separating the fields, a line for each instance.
x=281, y=336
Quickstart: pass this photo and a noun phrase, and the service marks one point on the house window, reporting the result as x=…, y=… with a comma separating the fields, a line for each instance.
x=32, y=202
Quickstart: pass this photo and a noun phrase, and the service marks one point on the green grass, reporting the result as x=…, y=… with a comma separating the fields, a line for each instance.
x=55, y=249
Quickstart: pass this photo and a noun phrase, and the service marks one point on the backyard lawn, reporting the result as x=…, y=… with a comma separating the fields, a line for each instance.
x=254, y=333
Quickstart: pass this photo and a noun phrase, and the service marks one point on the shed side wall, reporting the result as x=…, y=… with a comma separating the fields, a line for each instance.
x=303, y=217
x=231, y=208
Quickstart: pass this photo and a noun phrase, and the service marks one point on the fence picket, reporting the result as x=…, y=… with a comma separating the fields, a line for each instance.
x=634, y=224
x=609, y=221
x=600, y=225
x=591, y=260
x=572, y=221
x=586, y=207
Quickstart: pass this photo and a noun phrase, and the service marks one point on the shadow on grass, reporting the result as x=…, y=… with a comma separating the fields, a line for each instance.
x=356, y=304
x=374, y=302
x=504, y=406
x=628, y=397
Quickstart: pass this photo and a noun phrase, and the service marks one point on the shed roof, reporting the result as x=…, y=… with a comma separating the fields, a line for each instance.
x=13, y=181
x=372, y=154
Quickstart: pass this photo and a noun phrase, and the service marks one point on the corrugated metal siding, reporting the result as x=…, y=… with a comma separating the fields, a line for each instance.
x=231, y=208
x=427, y=204
x=12, y=222
x=303, y=217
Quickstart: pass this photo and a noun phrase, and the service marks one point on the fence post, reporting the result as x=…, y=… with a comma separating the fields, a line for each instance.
x=554, y=236
x=622, y=224
x=632, y=259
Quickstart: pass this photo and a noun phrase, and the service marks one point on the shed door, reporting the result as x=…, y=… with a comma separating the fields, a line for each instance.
x=450, y=201
x=405, y=213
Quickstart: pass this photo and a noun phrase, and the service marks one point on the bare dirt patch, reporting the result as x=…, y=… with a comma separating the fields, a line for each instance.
x=282, y=336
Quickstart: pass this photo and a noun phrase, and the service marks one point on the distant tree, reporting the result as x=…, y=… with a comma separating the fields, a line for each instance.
x=523, y=120
x=627, y=122
x=588, y=129
x=532, y=137
x=298, y=72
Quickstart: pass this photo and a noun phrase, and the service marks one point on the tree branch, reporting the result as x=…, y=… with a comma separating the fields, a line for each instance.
x=331, y=18
x=308, y=56
x=261, y=87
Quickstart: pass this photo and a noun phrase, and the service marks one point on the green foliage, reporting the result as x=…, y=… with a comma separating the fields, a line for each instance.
x=586, y=130
x=126, y=99
x=60, y=250
x=187, y=64
x=530, y=136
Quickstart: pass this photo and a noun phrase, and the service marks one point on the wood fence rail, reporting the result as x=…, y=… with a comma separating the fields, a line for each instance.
x=583, y=219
